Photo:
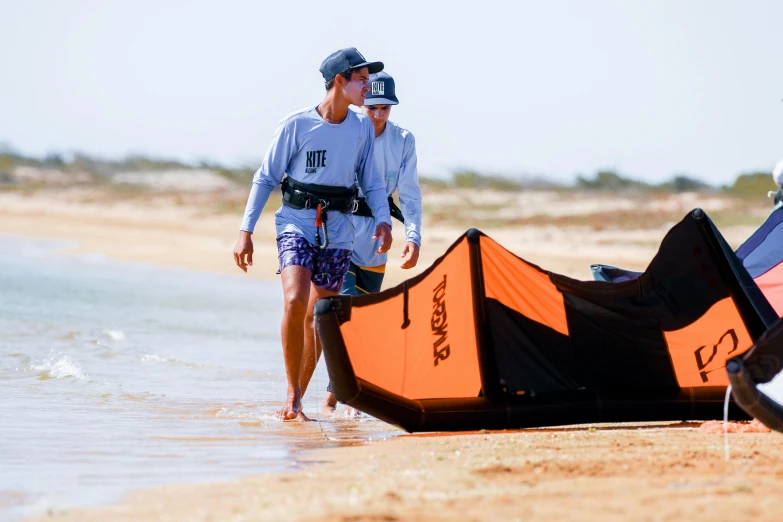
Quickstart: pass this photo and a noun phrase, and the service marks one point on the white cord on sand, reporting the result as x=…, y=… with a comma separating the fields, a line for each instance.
x=726, y=422
x=317, y=383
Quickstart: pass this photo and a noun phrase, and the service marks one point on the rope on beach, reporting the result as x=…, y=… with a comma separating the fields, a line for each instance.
x=726, y=422
x=317, y=382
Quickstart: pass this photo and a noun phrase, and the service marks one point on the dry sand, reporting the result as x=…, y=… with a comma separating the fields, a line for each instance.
x=599, y=473
x=188, y=233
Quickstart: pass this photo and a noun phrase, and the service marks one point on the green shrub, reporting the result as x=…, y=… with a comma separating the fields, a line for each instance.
x=433, y=183
x=609, y=180
x=753, y=184
x=683, y=183
x=472, y=179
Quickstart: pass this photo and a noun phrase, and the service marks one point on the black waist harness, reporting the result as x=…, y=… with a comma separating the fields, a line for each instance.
x=363, y=209
x=321, y=198
x=309, y=195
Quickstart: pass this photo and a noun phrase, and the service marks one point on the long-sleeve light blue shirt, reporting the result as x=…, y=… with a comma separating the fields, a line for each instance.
x=395, y=159
x=311, y=150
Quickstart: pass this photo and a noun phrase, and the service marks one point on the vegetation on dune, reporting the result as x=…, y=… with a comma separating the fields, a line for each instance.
x=746, y=184
x=751, y=185
x=458, y=200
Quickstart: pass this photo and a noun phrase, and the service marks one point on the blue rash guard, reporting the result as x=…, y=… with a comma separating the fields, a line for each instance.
x=311, y=150
x=395, y=159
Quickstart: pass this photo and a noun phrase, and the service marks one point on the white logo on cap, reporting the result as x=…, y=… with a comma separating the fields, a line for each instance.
x=377, y=88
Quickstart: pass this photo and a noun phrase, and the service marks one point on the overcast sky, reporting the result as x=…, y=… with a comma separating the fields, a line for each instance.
x=553, y=88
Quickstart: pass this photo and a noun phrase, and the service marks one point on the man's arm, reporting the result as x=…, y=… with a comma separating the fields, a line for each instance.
x=266, y=178
x=268, y=175
x=374, y=190
x=410, y=202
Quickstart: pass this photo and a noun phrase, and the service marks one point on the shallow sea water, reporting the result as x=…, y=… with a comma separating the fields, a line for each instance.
x=118, y=376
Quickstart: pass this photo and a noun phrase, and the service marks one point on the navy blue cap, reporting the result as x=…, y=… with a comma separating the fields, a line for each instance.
x=381, y=90
x=344, y=59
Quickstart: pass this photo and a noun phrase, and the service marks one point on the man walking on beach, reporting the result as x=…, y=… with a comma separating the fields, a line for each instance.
x=324, y=150
x=395, y=159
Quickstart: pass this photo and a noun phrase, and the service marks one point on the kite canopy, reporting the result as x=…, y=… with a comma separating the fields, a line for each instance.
x=484, y=339
x=761, y=255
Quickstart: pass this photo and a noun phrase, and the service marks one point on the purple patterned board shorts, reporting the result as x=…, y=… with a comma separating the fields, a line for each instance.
x=328, y=266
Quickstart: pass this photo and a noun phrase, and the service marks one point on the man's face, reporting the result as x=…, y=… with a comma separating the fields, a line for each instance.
x=356, y=89
x=379, y=114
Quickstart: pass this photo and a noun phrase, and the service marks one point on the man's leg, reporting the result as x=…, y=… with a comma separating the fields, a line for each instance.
x=329, y=404
x=349, y=282
x=329, y=272
x=312, y=345
x=329, y=269
x=355, y=282
x=368, y=281
x=296, y=293
x=348, y=288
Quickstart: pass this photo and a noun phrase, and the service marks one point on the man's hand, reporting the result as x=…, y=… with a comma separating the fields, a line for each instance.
x=410, y=255
x=383, y=232
x=244, y=247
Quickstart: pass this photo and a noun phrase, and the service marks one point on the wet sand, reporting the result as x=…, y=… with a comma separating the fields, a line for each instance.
x=601, y=473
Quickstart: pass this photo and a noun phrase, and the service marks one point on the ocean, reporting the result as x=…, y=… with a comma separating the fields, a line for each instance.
x=119, y=376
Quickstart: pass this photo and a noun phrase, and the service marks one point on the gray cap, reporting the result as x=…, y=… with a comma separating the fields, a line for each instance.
x=344, y=59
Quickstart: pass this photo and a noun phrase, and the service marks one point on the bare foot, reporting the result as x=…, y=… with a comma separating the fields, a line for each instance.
x=303, y=418
x=351, y=411
x=328, y=405
x=293, y=406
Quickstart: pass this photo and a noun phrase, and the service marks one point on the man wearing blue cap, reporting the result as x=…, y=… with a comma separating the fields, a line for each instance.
x=395, y=159
x=324, y=150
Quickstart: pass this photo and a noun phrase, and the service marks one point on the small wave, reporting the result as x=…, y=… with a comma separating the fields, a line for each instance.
x=140, y=397
x=151, y=357
x=227, y=413
x=59, y=366
x=115, y=335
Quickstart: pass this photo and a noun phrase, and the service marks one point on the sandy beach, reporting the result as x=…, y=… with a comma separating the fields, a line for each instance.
x=671, y=472
x=145, y=376
x=187, y=231
x=628, y=472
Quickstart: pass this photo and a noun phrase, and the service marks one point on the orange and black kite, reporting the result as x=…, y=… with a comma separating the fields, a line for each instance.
x=484, y=339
